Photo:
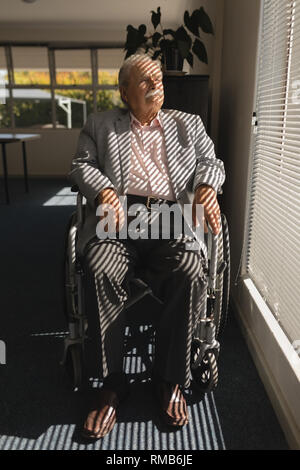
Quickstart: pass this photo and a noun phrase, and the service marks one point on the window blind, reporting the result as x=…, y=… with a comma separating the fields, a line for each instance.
x=273, y=244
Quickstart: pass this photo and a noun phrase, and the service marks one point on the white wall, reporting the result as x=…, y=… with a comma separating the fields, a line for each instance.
x=51, y=155
x=241, y=21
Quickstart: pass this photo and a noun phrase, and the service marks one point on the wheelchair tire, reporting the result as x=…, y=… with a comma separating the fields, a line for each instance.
x=226, y=277
x=205, y=377
x=69, y=297
x=74, y=365
x=222, y=280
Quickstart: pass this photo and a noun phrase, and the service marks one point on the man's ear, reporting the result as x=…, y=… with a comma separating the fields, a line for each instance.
x=123, y=94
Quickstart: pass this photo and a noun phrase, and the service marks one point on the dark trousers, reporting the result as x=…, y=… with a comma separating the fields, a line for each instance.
x=176, y=276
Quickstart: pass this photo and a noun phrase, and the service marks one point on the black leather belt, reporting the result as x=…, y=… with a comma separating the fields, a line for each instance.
x=147, y=201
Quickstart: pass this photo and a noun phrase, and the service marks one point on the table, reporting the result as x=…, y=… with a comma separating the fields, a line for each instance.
x=8, y=139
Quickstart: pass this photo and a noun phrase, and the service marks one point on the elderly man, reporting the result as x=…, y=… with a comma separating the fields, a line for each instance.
x=148, y=155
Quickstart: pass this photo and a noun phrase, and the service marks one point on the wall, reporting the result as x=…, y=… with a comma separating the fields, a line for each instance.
x=241, y=21
x=51, y=155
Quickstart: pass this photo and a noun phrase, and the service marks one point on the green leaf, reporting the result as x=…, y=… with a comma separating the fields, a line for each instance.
x=131, y=31
x=142, y=29
x=182, y=35
x=132, y=35
x=155, y=17
x=155, y=38
x=193, y=24
x=200, y=51
x=135, y=38
x=187, y=19
x=204, y=21
x=190, y=59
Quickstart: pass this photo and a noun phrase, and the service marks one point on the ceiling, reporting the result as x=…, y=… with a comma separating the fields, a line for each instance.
x=107, y=14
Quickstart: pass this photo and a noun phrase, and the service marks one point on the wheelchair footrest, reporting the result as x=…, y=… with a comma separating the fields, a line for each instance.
x=69, y=342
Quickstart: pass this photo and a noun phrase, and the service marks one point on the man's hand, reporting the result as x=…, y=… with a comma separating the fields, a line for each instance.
x=207, y=196
x=109, y=196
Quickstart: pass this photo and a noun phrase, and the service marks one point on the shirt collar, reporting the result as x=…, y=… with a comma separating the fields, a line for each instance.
x=156, y=122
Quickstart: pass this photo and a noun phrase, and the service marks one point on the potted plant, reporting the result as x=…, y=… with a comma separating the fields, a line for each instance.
x=170, y=46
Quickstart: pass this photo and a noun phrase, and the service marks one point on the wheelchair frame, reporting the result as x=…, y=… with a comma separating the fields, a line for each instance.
x=205, y=343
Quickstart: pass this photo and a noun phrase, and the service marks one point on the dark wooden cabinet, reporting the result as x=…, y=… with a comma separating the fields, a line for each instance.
x=187, y=93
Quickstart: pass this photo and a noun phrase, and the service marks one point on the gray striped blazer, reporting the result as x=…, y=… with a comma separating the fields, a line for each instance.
x=103, y=159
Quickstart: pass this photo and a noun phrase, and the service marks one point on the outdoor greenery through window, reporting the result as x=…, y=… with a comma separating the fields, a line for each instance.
x=83, y=81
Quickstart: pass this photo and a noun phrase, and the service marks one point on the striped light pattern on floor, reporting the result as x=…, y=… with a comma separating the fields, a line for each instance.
x=202, y=432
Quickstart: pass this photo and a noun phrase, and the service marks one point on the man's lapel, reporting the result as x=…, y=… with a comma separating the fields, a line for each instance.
x=123, y=131
x=173, y=149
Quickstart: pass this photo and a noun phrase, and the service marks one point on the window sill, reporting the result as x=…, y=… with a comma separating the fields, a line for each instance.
x=275, y=358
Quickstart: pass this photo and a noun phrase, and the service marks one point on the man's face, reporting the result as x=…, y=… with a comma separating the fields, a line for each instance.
x=144, y=93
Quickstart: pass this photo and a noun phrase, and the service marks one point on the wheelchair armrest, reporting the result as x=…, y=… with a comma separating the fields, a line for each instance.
x=79, y=205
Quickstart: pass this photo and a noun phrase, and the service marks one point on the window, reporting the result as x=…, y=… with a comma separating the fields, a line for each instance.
x=3, y=75
x=109, y=62
x=30, y=66
x=73, y=67
x=32, y=108
x=72, y=107
x=31, y=95
x=273, y=254
x=83, y=81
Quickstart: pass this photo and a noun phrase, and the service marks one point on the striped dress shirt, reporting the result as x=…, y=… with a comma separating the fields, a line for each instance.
x=149, y=174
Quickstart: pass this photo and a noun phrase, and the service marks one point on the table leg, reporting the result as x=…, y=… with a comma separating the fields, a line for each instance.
x=5, y=172
x=25, y=167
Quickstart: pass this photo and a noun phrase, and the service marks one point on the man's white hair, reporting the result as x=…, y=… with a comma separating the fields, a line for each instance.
x=124, y=72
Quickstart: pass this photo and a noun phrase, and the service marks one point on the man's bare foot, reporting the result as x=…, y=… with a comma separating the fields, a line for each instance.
x=102, y=418
x=172, y=403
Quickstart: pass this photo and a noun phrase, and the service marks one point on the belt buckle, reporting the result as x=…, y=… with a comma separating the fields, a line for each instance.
x=148, y=204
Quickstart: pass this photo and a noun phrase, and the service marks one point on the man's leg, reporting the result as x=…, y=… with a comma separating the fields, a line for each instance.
x=177, y=276
x=109, y=264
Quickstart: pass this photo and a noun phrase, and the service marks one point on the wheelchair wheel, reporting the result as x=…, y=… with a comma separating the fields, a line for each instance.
x=220, y=307
x=226, y=276
x=74, y=364
x=69, y=287
x=205, y=376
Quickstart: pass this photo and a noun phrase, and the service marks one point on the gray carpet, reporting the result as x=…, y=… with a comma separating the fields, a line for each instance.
x=37, y=408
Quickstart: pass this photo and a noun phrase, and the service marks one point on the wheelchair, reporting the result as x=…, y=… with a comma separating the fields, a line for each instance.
x=205, y=345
